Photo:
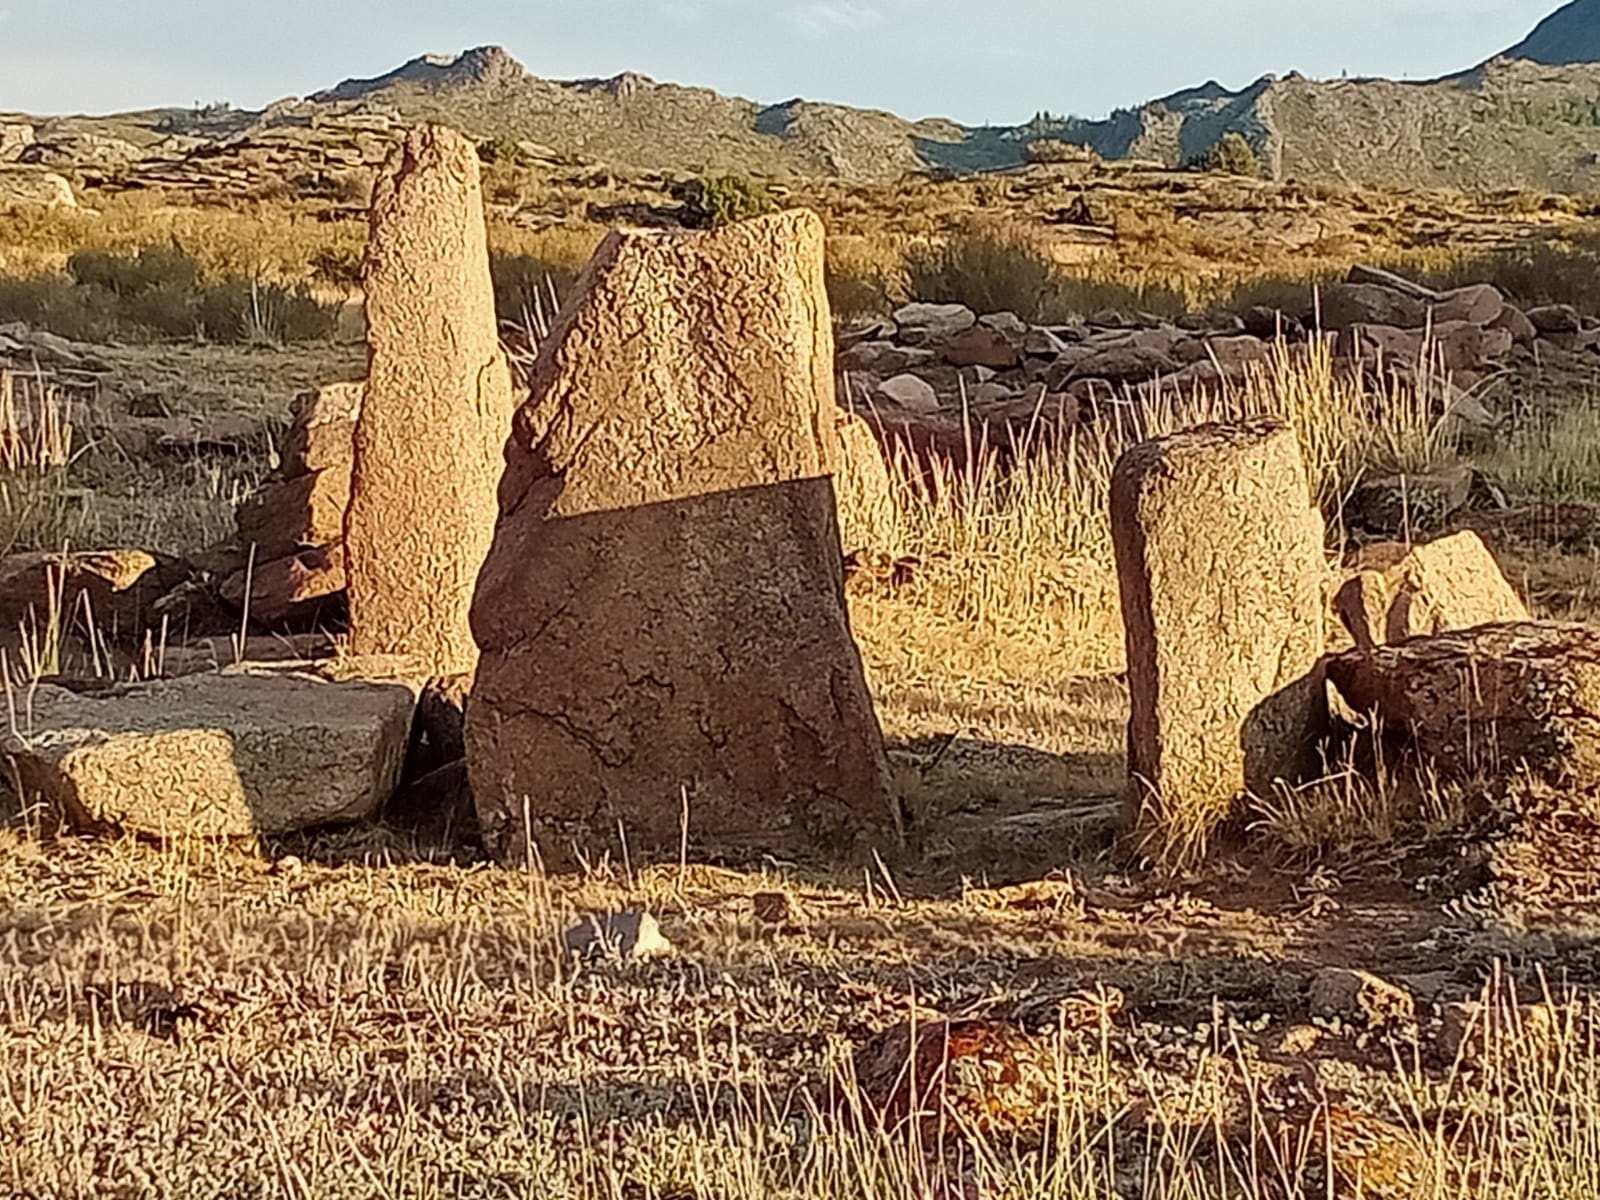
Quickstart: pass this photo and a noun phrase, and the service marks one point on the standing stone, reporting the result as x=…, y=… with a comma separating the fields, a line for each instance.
x=437, y=408
x=1220, y=560
x=662, y=615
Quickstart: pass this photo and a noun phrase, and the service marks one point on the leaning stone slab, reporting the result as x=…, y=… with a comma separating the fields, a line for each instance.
x=1398, y=591
x=225, y=755
x=662, y=616
x=1494, y=699
x=1220, y=561
x=435, y=412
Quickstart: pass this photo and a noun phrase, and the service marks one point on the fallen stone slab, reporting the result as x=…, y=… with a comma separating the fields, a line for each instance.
x=228, y=755
x=1493, y=699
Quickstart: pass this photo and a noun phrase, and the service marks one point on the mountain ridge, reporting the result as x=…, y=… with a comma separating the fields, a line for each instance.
x=1514, y=121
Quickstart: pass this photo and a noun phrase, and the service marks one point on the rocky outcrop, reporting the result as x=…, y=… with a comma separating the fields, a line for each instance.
x=1495, y=699
x=212, y=755
x=436, y=411
x=1220, y=563
x=1397, y=591
x=662, y=620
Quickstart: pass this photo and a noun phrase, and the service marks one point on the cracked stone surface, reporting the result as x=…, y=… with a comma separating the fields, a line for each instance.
x=662, y=621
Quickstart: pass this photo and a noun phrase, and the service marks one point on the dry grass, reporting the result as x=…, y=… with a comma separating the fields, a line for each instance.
x=196, y=1023
x=1015, y=564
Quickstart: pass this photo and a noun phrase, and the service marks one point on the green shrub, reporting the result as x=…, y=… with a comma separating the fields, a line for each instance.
x=1232, y=155
x=713, y=203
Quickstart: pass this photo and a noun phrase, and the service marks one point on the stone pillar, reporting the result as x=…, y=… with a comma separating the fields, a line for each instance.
x=430, y=438
x=662, y=615
x=1222, y=571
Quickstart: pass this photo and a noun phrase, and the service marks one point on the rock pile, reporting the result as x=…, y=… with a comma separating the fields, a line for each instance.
x=665, y=646
x=936, y=368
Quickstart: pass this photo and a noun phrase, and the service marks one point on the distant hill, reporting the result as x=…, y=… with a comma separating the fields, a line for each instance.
x=1568, y=35
x=1527, y=119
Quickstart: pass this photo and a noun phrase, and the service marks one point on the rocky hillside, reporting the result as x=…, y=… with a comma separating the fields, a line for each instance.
x=1568, y=35
x=1507, y=124
x=1528, y=119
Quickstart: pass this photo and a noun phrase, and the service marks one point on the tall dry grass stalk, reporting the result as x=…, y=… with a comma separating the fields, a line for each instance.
x=1016, y=541
x=35, y=424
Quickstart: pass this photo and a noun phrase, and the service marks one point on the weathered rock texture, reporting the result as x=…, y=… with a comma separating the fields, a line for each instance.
x=1220, y=561
x=1401, y=591
x=662, y=615
x=436, y=412
x=1491, y=699
x=291, y=533
x=228, y=755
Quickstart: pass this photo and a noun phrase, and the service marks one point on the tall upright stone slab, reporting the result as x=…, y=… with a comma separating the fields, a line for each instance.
x=1220, y=561
x=437, y=409
x=662, y=616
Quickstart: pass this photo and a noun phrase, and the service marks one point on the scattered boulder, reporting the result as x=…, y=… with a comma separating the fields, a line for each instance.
x=1555, y=318
x=1124, y=365
x=1220, y=562
x=1400, y=591
x=226, y=755
x=436, y=410
x=1478, y=304
x=1515, y=322
x=982, y=346
x=1359, y=997
x=932, y=324
x=1492, y=698
x=1345, y=304
x=112, y=591
x=323, y=432
x=24, y=188
x=910, y=392
x=284, y=517
x=662, y=614
x=298, y=590
x=884, y=358
x=1409, y=506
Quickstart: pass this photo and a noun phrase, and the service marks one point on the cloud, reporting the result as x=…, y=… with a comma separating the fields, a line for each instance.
x=686, y=13
x=822, y=17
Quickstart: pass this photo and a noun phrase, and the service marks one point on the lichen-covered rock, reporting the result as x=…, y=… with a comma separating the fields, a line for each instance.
x=224, y=755
x=662, y=618
x=436, y=410
x=1220, y=561
x=1400, y=591
x=1490, y=699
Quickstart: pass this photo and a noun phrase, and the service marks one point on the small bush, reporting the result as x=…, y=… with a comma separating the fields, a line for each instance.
x=1232, y=155
x=260, y=313
x=713, y=203
x=987, y=268
x=127, y=275
x=1054, y=150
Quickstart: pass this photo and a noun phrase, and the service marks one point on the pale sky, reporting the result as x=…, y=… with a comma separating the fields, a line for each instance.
x=990, y=61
